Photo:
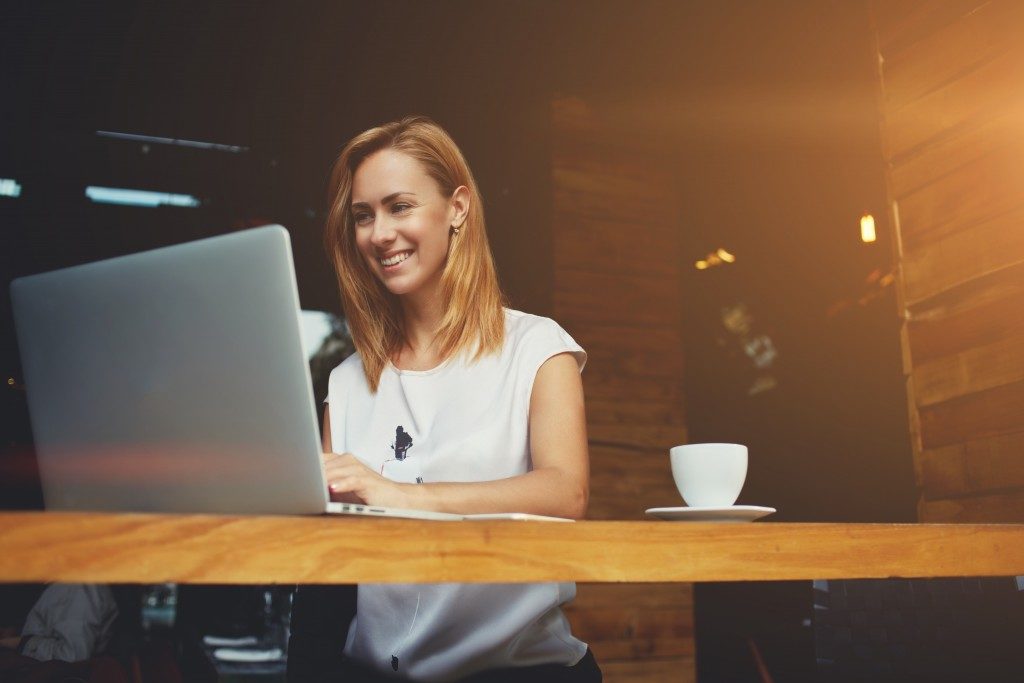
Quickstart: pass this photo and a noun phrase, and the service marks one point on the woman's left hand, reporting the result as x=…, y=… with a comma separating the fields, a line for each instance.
x=350, y=481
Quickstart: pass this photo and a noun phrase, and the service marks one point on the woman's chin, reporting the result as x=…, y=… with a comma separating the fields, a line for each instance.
x=398, y=286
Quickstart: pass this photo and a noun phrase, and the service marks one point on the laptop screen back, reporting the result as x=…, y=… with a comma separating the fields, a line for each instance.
x=173, y=380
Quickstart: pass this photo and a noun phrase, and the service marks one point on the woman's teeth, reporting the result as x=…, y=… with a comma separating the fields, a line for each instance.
x=396, y=259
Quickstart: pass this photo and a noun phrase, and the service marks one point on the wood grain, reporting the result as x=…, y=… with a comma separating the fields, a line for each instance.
x=1005, y=507
x=1002, y=284
x=655, y=413
x=648, y=352
x=902, y=23
x=992, y=412
x=617, y=246
x=978, y=191
x=603, y=298
x=979, y=466
x=941, y=56
x=945, y=330
x=951, y=108
x=972, y=370
x=596, y=205
x=608, y=383
x=988, y=88
x=675, y=670
x=150, y=548
x=648, y=435
x=668, y=595
x=617, y=285
x=630, y=621
x=986, y=134
x=941, y=264
x=624, y=483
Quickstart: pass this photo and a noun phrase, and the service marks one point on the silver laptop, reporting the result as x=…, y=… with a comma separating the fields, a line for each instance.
x=175, y=380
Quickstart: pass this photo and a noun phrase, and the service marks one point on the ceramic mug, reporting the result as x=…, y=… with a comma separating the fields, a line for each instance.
x=709, y=474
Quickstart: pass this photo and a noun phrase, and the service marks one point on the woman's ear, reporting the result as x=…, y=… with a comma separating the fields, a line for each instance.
x=460, y=205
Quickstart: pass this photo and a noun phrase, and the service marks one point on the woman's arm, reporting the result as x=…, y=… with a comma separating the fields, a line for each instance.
x=325, y=433
x=558, y=485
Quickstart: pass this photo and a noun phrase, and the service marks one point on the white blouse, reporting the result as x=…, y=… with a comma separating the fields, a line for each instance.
x=458, y=422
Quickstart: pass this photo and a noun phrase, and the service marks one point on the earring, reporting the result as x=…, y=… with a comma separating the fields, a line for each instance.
x=455, y=230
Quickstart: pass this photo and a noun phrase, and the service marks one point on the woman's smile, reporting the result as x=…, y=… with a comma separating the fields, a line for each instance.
x=394, y=261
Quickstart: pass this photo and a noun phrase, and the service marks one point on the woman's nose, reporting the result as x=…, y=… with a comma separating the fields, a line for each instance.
x=383, y=231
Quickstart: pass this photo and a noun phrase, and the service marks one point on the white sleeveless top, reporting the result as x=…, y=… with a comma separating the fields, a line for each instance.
x=458, y=422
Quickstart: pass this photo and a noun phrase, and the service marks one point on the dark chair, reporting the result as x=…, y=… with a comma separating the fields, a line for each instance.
x=960, y=629
x=319, y=626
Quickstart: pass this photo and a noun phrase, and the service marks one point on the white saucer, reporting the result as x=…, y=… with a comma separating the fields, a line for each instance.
x=732, y=513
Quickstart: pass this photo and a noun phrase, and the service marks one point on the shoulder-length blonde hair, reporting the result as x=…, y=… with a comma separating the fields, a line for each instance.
x=471, y=296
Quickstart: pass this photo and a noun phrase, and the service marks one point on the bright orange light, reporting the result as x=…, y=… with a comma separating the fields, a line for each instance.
x=701, y=265
x=867, y=228
x=725, y=256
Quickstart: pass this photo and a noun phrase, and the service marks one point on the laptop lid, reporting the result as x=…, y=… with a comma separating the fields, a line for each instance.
x=173, y=380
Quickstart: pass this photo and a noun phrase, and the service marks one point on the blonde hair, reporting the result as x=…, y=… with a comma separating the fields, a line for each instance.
x=471, y=297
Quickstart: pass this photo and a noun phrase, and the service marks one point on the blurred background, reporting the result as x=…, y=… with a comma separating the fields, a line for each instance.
x=764, y=113
x=750, y=134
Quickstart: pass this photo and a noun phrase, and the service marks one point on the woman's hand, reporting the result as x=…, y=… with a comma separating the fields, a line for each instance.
x=350, y=481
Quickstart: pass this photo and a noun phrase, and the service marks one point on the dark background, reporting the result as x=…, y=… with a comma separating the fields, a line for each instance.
x=767, y=108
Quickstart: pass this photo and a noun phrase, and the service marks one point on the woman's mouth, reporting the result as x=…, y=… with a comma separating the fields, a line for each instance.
x=393, y=262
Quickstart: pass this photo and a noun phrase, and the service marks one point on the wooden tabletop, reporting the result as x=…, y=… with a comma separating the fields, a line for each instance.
x=150, y=548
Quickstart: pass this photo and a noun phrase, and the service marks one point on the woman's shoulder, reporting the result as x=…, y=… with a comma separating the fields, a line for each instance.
x=520, y=323
x=539, y=333
x=351, y=363
x=351, y=367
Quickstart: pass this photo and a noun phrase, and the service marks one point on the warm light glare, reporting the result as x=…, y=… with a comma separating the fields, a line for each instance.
x=867, y=228
x=716, y=258
x=118, y=195
x=9, y=187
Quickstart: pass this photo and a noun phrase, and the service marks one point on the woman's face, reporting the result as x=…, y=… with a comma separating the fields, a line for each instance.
x=402, y=221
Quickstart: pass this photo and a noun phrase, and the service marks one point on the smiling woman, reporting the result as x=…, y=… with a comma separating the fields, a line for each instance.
x=452, y=403
x=392, y=185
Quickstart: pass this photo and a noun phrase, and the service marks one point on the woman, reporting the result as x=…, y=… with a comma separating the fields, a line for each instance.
x=452, y=403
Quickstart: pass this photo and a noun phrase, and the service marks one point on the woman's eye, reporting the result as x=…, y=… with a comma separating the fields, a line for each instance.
x=361, y=218
x=400, y=207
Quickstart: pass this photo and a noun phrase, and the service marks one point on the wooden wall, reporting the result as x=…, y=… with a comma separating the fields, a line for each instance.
x=952, y=107
x=617, y=289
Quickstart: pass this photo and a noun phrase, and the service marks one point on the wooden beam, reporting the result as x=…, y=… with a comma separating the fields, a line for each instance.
x=119, y=548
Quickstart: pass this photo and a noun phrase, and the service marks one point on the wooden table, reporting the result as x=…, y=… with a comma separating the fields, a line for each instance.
x=152, y=548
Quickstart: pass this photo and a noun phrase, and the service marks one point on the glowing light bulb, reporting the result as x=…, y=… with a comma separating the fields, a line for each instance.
x=725, y=256
x=867, y=228
x=701, y=265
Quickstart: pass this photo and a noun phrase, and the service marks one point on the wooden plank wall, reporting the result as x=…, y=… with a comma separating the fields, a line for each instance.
x=617, y=289
x=952, y=108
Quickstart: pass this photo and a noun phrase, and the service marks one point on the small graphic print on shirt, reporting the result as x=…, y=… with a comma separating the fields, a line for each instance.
x=403, y=442
x=401, y=446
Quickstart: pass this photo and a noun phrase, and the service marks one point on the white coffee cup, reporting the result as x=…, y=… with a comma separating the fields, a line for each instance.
x=709, y=474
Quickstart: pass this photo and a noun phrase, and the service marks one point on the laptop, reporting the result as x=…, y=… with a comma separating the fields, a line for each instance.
x=175, y=380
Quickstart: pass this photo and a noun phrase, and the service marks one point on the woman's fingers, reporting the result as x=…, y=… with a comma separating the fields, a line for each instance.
x=348, y=479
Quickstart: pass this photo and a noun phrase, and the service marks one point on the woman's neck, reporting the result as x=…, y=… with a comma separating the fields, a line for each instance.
x=422, y=319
